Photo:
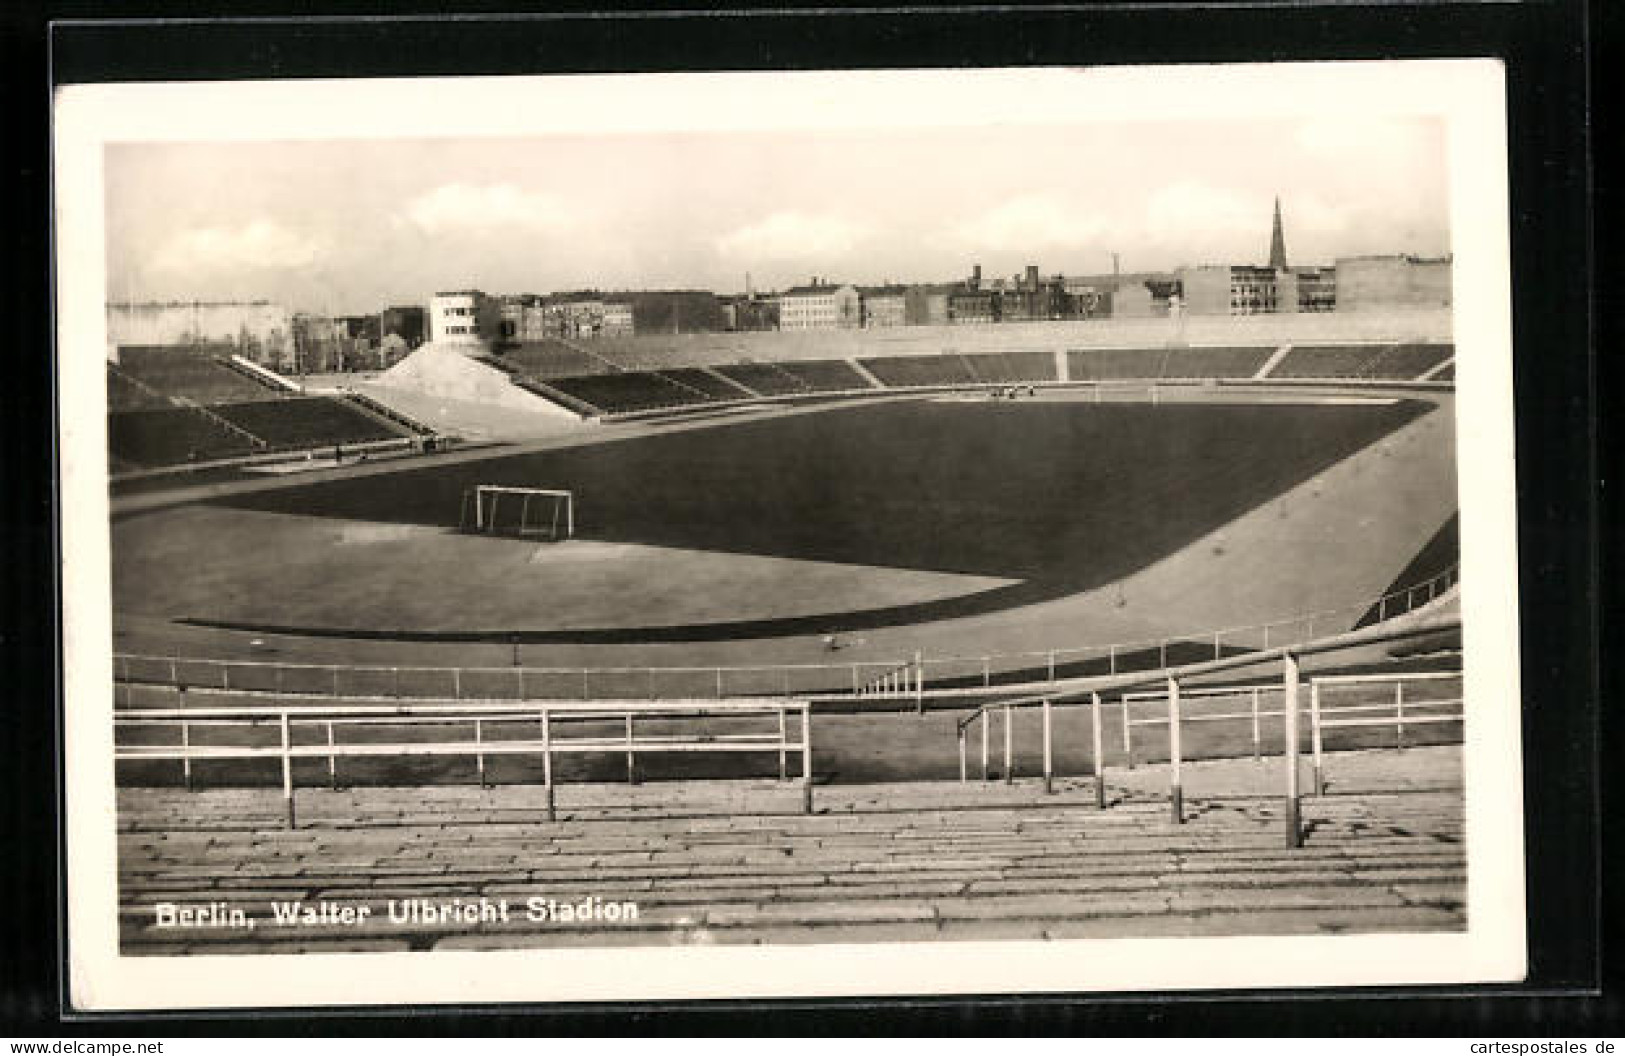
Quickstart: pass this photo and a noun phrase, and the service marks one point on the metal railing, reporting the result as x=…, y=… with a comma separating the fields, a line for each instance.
x=1251, y=693
x=982, y=718
x=1176, y=692
x=912, y=679
x=472, y=725
x=1424, y=711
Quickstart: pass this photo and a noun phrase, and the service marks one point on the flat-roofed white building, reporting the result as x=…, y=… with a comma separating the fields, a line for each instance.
x=820, y=306
x=454, y=317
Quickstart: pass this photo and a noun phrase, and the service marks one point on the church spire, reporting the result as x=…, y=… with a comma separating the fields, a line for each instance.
x=1277, y=240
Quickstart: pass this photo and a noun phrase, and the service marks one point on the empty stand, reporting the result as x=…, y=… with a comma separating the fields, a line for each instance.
x=705, y=383
x=826, y=375
x=764, y=379
x=170, y=437
x=1113, y=364
x=1407, y=362
x=308, y=421
x=1012, y=367
x=1214, y=362
x=125, y=393
x=920, y=371
x=550, y=358
x=1328, y=361
x=188, y=374
x=621, y=393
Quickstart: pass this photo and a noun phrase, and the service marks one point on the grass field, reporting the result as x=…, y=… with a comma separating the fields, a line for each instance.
x=1039, y=499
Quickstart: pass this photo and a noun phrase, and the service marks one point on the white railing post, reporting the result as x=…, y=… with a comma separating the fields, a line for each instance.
x=1399, y=716
x=1289, y=687
x=1009, y=745
x=1099, y=760
x=1176, y=793
x=332, y=760
x=784, y=740
x=631, y=754
x=1052, y=667
x=186, y=758
x=457, y=682
x=964, y=775
x=806, y=758
x=547, y=764
x=1111, y=663
x=1128, y=734
x=479, y=749
x=1049, y=766
x=719, y=683
x=287, y=769
x=1258, y=739
x=987, y=672
x=1314, y=736
x=983, y=720
x=919, y=682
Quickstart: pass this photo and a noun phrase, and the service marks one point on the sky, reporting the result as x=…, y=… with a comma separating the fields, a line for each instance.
x=349, y=226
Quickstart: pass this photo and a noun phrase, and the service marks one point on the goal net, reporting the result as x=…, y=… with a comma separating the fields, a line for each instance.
x=538, y=513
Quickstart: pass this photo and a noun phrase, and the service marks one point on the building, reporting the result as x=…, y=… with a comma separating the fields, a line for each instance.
x=1317, y=289
x=884, y=305
x=968, y=305
x=1086, y=297
x=617, y=320
x=260, y=331
x=319, y=342
x=406, y=321
x=927, y=305
x=458, y=317
x=749, y=312
x=820, y=306
x=1236, y=289
x=1377, y=282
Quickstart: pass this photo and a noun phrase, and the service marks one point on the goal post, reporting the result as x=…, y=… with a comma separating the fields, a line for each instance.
x=502, y=509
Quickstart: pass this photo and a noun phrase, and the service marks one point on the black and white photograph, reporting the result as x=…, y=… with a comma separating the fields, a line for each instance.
x=788, y=534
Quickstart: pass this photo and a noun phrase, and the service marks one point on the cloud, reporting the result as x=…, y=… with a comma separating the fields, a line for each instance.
x=1356, y=137
x=456, y=207
x=258, y=244
x=1032, y=221
x=1198, y=212
x=792, y=236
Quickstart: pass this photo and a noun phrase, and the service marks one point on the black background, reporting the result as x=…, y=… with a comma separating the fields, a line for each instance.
x=1548, y=48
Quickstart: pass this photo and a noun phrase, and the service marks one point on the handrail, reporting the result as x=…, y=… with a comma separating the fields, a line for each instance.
x=1174, y=719
x=546, y=744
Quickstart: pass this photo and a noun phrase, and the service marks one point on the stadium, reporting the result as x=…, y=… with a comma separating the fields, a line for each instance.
x=799, y=637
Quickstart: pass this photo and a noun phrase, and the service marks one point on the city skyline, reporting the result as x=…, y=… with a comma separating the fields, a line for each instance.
x=348, y=226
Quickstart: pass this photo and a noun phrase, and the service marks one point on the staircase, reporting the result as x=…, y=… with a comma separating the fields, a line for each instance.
x=736, y=862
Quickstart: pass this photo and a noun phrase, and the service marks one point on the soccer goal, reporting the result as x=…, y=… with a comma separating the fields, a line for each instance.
x=499, y=509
